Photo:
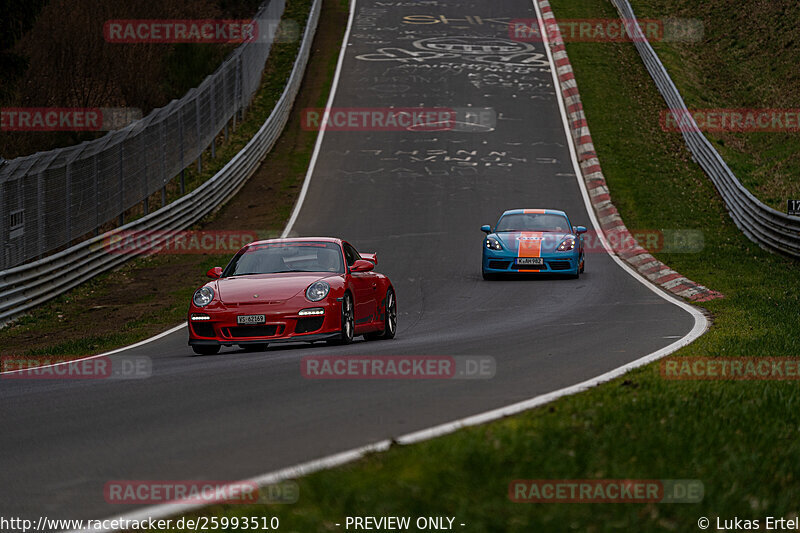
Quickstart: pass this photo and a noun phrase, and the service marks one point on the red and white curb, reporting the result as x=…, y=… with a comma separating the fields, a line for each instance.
x=610, y=221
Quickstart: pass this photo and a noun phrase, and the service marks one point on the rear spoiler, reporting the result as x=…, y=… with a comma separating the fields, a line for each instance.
x=372, y=257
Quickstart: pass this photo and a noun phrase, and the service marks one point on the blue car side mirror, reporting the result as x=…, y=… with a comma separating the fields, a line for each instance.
x=486, y=228
x=580, y=229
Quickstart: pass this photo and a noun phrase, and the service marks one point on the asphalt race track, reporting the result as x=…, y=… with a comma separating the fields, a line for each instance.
x=418, y=198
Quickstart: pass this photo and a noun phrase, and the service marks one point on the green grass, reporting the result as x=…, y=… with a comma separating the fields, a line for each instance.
x=747, y=59
x=169, y=308
x=741, y=439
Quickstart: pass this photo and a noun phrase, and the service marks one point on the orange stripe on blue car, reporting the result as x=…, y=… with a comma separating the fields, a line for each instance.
x=530, y=245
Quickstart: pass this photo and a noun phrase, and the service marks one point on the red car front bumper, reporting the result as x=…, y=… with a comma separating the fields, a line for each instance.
x=280, y=325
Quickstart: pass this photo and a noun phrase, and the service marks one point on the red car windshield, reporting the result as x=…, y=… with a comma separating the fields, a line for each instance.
x=272, y=258
x=533, y=222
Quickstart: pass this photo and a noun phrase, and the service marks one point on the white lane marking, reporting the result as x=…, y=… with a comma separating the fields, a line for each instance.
x=112, y=352
x=700, y=325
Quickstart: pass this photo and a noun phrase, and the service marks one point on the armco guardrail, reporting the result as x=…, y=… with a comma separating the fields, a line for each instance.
x=31, y=284
x=765, y=226
x=48, y=199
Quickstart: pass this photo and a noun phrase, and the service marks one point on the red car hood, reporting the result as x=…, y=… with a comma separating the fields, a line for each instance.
x=241, y=289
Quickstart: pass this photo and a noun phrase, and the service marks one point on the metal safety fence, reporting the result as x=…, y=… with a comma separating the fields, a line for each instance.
x=25, y=286
x=48, y=199
x=767, y=227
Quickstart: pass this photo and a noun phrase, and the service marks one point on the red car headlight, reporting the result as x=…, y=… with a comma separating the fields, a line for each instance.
x=203, y=296
x=317, y=291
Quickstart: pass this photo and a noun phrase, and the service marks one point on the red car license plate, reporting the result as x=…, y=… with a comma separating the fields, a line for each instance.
x=251, y=319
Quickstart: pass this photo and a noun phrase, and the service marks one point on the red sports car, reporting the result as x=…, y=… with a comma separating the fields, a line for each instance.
x=309, y=289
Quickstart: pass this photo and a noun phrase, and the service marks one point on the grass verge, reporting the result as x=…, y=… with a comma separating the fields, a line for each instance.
x=740, y=439
x=136, y=300
x=745, y=60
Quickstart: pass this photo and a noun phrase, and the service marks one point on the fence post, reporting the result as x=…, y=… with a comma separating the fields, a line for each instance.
x=163, y=163
x=199, y=136
x=213, y=120
x=40, y=212
x=180, y=141
x=237, y=88
x=121, y=187
x=96, y=197
x=68, y=195
x=145, y=190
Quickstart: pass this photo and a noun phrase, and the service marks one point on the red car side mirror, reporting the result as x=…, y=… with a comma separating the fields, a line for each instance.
x=362, y=265
x=214, y=273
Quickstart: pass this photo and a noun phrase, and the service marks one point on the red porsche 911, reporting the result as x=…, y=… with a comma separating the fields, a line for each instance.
x=301, y=290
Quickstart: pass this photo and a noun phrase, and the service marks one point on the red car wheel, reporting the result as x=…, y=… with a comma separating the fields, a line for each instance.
x=389, y=319
x=348, y=321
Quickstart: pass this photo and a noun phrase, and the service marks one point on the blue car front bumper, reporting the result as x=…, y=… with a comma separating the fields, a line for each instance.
x=503, y=262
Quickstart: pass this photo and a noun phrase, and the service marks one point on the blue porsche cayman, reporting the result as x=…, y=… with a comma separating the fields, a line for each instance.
x=533, y=241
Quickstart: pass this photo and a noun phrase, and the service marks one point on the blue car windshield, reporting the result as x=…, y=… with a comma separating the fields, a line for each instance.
x=533, y=222
x=300, y=256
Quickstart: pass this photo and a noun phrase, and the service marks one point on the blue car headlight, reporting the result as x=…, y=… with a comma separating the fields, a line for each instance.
x=492, y=244
x=566, y=245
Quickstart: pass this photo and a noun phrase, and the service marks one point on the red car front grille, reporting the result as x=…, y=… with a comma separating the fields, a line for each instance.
x=252, y=331
x=308, y=324
x=203, y=330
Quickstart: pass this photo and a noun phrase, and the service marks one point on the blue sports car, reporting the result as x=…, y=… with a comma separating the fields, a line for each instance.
x=533, y=241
